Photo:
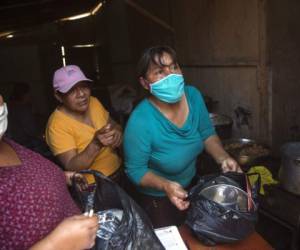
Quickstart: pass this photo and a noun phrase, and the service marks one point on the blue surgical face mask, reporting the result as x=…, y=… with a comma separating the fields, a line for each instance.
x=168, y=89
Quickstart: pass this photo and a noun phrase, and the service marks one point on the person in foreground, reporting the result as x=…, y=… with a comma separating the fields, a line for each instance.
x=36, y=209
x=80, y=132
x=163, y=137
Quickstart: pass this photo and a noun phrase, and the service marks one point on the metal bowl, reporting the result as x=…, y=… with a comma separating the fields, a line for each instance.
x=228, y=196
x=246, y=151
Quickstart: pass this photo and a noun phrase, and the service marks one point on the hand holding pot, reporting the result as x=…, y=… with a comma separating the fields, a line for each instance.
x=229, y=164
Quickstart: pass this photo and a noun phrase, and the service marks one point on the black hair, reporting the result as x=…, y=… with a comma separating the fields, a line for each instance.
x=154, y=55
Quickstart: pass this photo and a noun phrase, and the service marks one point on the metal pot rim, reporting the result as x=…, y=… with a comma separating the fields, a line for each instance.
x=245, y=194
x=291, y=150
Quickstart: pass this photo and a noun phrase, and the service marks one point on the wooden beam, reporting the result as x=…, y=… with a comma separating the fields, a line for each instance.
x=149, y=15
x=264, y=78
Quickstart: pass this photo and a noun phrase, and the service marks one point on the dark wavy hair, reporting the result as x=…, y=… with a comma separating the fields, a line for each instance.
x=154, y=55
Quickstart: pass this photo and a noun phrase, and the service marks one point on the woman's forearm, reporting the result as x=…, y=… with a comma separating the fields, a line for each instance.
x=214, y=147
x=173, y=190
x=46, y=243
x=82, y=160
x=154, y=181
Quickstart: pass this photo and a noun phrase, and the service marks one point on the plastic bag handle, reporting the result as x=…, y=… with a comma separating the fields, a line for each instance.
x=249, y=189
x=250, y=205
x=258, y=177
x=93, y=172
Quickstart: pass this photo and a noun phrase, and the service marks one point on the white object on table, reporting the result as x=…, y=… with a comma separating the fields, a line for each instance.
x=170, y=238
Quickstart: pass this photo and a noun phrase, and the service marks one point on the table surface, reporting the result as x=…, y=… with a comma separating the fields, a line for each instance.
x=253, y=242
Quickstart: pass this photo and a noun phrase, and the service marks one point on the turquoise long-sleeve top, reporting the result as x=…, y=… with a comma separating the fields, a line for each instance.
x=153, y=143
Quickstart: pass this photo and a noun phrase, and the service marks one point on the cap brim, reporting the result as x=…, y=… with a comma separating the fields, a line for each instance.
x=67, y=88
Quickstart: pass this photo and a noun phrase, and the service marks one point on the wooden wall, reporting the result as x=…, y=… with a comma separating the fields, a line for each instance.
x=241, y=53
x=219, y=44
x=284, y=49
x=132, y=27
x=22, y=64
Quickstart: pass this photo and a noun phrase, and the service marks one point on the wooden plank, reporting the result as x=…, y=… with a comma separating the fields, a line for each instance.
x=212, y=31
x=149, y=15
x=232, y=87
x=263, y=78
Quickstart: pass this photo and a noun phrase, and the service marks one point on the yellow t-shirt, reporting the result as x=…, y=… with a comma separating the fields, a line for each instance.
x=64, y=133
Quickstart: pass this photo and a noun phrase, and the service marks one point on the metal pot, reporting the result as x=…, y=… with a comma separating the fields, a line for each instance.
x=228, y=196
x=289, y=173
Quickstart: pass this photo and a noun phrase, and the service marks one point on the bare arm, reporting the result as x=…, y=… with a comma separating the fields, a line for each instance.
x=214, y=147
x=108, y=136
x=174, y=191
x=74, y=161
x=74, y=233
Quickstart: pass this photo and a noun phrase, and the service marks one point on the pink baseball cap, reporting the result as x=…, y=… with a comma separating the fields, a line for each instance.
x=66, y=77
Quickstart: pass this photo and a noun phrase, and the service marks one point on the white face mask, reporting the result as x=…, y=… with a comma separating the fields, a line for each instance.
x=3, y=119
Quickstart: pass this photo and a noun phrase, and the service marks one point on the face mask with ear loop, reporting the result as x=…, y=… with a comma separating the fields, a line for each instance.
x=3, y=119
x=168, y=89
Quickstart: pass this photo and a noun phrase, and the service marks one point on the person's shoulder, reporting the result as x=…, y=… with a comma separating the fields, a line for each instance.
x=140, y=114
x=54, y=117
x=142, y=107
x=95, y=103
x=12, y=143
x=193, y=92
x=58, y=120
x=18, y=148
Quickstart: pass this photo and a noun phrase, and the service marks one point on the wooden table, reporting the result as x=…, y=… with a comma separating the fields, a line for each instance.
x=253, y=242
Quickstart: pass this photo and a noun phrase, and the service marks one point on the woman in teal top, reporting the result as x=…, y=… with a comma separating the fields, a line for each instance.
x=163, y=137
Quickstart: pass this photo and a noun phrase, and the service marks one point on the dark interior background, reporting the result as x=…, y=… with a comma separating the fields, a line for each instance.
x=242, y=54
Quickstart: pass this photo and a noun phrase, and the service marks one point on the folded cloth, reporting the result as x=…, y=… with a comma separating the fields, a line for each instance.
x=265, y=176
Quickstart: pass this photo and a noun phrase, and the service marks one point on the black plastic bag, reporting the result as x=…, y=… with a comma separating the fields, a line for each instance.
x=133, y=231
x=213, y=223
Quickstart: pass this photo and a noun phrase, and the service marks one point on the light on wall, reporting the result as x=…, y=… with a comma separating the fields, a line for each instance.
x=72, y=18
x=85, y=45
x=83, y=15
x=8, y=34
x=63, y=55
x=96, y=9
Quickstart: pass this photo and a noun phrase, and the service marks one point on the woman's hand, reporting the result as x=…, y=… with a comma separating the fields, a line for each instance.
x=80, y=180
x=176, y=194
x=77, y=232
x=109, y=135
x=69, y=175
x=215, y=148
x=74, y=233
x=229, y=164
x=116, y=135
x=173, y=190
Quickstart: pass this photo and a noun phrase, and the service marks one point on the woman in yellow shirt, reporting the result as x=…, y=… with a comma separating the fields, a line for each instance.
x=80, y=132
